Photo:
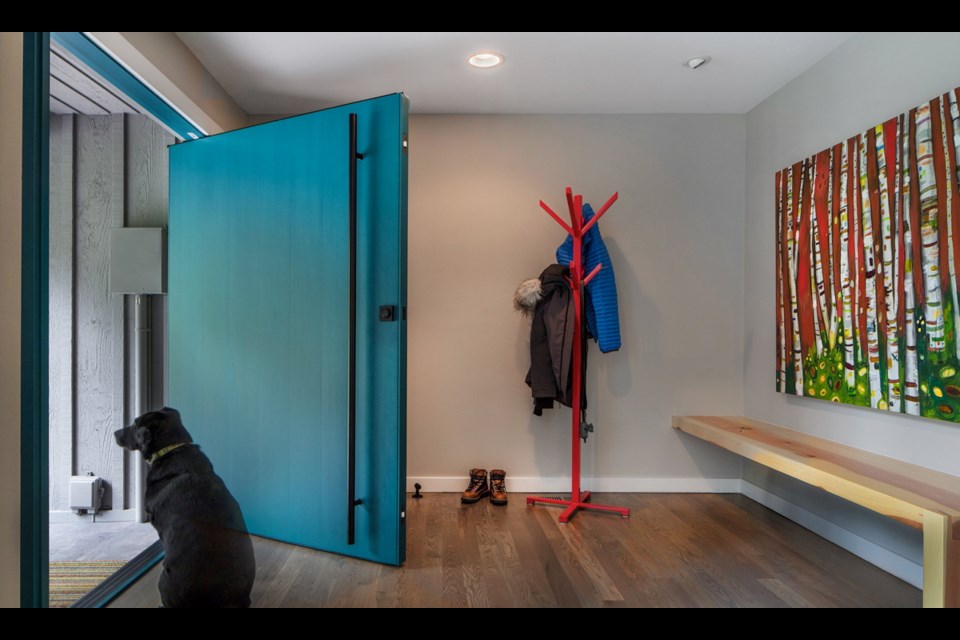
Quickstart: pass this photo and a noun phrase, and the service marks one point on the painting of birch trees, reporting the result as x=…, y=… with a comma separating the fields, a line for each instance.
x=868, y=243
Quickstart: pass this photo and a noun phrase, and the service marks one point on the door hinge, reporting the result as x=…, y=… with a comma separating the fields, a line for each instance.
x=405, y=144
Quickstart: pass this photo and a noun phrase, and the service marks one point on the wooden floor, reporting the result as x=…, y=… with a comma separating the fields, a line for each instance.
x=677, y=550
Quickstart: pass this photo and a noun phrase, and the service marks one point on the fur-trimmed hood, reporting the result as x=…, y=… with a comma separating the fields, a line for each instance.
x=526, y=297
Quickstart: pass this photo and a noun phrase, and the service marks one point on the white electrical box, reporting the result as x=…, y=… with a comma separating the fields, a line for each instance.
x=85, y=493
x=137, y=261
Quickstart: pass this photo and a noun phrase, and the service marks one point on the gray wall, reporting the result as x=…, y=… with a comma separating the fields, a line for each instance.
x=869, y=79
x=676, y=241
x=11, y=108
x=105, y=172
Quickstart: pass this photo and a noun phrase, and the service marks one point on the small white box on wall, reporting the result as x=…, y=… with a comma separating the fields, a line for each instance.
x=85, y=493
x=138, y=261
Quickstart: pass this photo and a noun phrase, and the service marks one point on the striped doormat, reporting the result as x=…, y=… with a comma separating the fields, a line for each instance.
x=69, y=581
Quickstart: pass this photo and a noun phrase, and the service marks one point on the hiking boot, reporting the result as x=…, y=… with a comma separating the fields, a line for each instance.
x=478, y=487
x=498, y=487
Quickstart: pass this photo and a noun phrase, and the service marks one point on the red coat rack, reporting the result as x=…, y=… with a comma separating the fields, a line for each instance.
x=577, y=228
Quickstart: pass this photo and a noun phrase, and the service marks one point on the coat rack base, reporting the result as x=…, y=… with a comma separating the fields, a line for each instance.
x=572, y=506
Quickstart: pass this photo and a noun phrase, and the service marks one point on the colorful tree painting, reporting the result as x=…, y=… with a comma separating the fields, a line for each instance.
x=868, y=239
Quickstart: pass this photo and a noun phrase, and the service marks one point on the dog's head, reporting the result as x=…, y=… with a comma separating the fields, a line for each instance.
x=153, y=431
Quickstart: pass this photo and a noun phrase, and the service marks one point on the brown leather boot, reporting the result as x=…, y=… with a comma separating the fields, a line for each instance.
x=478, y=487
x=498, y=487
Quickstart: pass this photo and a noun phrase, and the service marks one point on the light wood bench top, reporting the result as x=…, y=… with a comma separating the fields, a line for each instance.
x=920, y=497
x=918, y=486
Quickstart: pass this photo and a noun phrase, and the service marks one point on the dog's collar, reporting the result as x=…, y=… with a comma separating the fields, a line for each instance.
x=165, y=451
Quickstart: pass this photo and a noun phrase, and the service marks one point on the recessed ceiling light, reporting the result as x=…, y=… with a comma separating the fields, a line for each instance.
x=696, y=63
x=485, y=60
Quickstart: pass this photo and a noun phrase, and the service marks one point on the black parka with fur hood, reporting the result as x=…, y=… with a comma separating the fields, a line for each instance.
x=551, y=336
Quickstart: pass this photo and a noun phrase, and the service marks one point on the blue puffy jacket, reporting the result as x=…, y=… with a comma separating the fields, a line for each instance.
x=603, y=317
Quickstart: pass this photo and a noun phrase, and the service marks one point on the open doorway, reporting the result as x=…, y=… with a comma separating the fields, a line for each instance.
x=108, y=170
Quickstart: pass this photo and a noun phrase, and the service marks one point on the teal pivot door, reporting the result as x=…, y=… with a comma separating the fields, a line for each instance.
x=260, y=310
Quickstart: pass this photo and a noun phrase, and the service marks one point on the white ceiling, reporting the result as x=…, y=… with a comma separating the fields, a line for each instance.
x=285, y=73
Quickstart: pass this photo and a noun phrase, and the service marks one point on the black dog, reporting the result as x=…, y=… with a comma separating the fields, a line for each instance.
x=208, y=556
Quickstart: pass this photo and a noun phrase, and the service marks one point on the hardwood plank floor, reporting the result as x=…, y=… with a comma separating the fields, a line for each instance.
x=677, y=550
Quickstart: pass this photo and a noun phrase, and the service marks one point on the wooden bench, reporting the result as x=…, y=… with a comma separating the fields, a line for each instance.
x=922, y=498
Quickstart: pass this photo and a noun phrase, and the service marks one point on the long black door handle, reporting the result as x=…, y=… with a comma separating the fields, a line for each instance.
x=352, y=502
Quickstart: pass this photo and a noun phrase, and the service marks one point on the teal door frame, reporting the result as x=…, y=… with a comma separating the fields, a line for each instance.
x=90, y=53
x=34, y=287
x=35, y=210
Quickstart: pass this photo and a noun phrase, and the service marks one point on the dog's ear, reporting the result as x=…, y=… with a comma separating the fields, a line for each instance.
x=143, y=437
x=171, y=411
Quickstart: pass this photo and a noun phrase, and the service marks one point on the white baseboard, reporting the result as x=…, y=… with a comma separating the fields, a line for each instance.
x=891, y=562
x=531, y=484
x=119, y=515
